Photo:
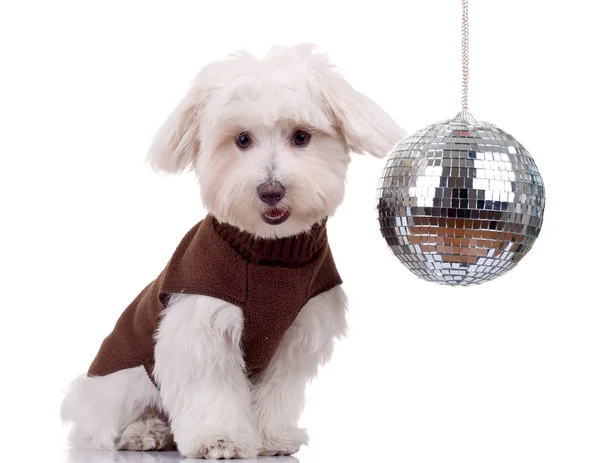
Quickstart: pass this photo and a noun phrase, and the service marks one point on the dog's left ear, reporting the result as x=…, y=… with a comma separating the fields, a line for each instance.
x=366, y=127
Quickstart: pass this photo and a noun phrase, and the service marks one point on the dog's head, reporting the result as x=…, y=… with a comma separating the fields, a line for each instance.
x=270, y=140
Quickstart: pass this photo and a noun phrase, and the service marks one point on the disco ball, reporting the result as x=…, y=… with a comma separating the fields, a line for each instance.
x=460, y=202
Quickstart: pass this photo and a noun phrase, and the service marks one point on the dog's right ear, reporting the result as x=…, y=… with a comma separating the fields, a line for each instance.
x=177, y=143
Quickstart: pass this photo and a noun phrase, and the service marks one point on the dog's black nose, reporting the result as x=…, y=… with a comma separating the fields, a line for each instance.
x=271, y=193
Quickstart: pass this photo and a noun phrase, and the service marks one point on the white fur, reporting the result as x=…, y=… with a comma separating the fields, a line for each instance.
x=146, y=434
x=215, y=410
x=100, y=408
x=200, y=371
x=278, y=394
x=290, y=88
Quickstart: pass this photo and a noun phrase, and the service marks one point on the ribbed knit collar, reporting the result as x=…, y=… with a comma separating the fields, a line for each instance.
x=291, y=251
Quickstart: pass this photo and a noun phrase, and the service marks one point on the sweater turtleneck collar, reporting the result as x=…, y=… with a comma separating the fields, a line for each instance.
x=290, y=251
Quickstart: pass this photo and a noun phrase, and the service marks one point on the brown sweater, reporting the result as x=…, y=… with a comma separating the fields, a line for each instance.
x=270, y=280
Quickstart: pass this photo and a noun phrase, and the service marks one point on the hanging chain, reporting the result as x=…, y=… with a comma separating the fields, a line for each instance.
x=465, y=57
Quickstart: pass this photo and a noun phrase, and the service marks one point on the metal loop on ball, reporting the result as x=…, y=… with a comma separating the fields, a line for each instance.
x=465, y=116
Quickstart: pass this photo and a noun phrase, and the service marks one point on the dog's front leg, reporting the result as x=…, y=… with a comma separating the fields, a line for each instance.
x=200, y=372
x=278, y=393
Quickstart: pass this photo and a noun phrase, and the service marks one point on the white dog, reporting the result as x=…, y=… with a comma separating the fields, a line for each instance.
x=270, y=141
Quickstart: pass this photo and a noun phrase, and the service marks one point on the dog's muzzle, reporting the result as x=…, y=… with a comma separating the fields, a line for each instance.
x=271, y=194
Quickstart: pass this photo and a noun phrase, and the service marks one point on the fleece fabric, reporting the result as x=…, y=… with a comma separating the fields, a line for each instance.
x=270, y=280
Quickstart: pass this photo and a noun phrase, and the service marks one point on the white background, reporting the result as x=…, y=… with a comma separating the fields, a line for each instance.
x=507, y=371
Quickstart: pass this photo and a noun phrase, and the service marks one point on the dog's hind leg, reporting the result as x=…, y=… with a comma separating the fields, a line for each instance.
x=100, y=408
x=150, y=432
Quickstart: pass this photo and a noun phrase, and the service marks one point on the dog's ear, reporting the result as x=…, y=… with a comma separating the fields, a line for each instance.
x=176, y=144
x=366, y=126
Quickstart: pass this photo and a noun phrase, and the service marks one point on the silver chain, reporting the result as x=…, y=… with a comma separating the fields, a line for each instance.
x=465, y=57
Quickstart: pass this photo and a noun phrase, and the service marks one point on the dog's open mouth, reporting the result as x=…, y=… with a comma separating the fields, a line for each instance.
x=276, y=215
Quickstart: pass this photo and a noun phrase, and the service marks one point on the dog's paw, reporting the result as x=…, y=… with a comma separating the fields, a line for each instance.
x=284, y=442
x=219, y=446
x=151, y=434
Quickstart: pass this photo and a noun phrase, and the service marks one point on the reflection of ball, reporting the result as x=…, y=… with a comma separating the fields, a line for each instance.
x=460, y=202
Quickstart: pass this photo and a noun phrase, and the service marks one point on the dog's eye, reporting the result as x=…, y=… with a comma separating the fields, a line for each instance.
x=300, y=138
x=243, y=140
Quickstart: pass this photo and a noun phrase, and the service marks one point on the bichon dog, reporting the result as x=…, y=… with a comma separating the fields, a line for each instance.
x=213, y=356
